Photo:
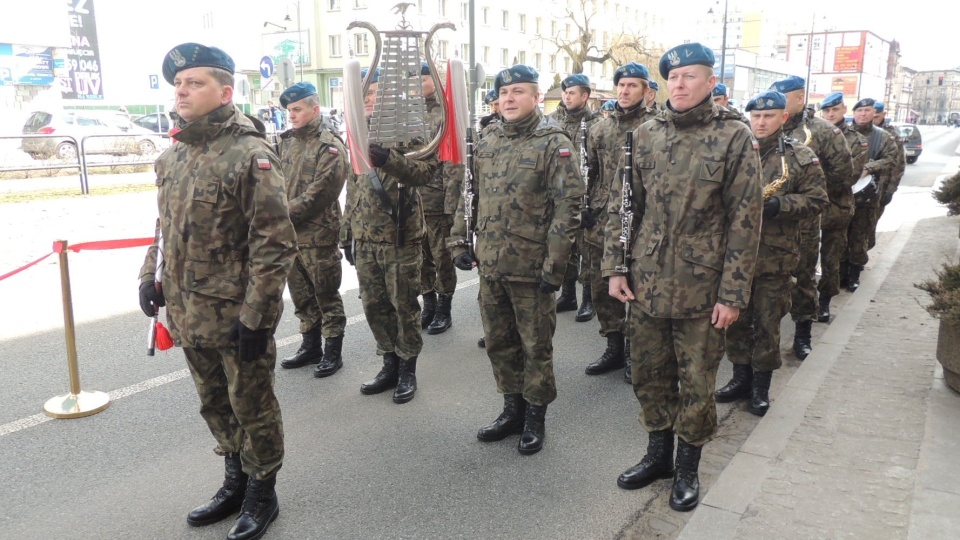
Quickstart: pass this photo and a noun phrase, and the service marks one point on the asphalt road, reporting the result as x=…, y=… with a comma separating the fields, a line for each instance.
x=356, y=466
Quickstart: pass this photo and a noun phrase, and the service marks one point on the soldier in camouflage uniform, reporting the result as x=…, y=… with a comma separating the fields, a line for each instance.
x=650, y=97
x=389, y=274
x=228, y=245
x=892, y=180
x=438, y=277
x=836, y=217
x=491, y=99
x=605, y=157
x=722, y=99
x=528, y=213
x=830, y=146
x=314, y=163
x=794, y=189
x=697, y=200
x=572, y=110
x=882, y=159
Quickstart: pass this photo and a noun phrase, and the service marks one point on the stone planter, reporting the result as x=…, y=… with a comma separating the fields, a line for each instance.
x=948, y=353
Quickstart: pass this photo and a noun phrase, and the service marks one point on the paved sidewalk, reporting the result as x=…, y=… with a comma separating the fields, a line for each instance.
x=863, y=441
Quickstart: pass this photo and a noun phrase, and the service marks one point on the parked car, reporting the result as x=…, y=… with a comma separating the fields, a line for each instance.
x=157, y=122
x=912, y=140
x=124, y=137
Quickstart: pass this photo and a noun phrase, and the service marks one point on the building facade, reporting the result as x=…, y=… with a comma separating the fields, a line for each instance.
x=936, y=97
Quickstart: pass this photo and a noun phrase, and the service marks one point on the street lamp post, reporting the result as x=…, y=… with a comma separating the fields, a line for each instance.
x=299, y=37
x=723, y=44
x=806, y=90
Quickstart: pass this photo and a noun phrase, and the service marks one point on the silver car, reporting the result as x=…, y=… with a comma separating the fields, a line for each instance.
x=115, y=134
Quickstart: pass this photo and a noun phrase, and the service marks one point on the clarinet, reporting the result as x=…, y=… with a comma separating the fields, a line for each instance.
x=584, y=165
x=468, y=194
x=626, y=206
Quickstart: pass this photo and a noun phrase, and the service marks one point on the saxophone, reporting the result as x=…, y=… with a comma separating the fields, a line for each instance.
x=806, y=130
x=771, y=189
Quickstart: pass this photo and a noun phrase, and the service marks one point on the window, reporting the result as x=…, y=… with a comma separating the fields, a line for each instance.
x=333, y=5
x=566, y=31
x=523, y=24
x=335, y=46
x=442, y=48
x=553, y=62
x=566, y=65
x=486, y=16
x=442, y=7
x=504, y=57
x=464, y=11
x=360, y=4
x=486, y=55
x=505, y=19
x=360, y=44
x=553, y=28
x=538, y=61
x=537, y=25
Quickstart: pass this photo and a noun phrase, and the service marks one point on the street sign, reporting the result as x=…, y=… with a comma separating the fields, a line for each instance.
x=154, y=82
x=285, y=72
x=336, y=82
x=266, y=67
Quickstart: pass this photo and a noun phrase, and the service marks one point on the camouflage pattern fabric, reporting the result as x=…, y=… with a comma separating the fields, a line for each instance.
x=674, y=372
x=605, y=155
x=805, y=299
x=863, y=225
x=891, y=182
x=439, y=199
x=314, y=284
x=754, y=339
x=389, y=279
x=520, y=353
x=239, y=406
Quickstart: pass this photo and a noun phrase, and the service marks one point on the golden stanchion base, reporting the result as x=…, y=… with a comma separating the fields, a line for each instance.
x=76, y=405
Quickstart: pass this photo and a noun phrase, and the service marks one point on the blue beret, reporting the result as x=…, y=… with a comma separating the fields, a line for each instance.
x=297, y=92
x=865, y=102
x=609, y=105
x=766, y=101
x=191, y=55
x=832, y=100
x=490, y=97
x=688, y=54
x=376, y=75
x=516, y=74
x=654, y=85
x=719, y=90
x=632, y=70
x=577, y=79
x=789, y=84
x=878, y=105
x=424, y=68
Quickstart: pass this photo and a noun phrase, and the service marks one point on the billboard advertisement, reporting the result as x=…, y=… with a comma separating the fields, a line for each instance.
x=26, y=65
x=848, y=59
x=84, y=80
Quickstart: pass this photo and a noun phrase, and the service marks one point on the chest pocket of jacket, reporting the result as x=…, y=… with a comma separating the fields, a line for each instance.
x=711, y=170
x=206, y=190
x=530, y=160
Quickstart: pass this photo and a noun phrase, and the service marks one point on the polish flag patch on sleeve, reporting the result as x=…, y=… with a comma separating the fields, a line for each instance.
x=263, y=164
x=333, y=150
x=564, y=152
x=756, y=145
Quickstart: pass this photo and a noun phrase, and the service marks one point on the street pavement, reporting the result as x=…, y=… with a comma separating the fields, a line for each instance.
x=362, y=467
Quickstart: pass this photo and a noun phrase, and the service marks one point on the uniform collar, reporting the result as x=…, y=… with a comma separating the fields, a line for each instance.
x=793, y=121
x=522, y=127
x=625, y=115
x=768, y=143
x=698, y=115
x=305, y=132
x=209, y=126
x=865, y=129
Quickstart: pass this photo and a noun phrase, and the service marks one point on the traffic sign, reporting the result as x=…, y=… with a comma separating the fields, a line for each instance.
x=335, y=82
x=154, y=82
x=266, y=67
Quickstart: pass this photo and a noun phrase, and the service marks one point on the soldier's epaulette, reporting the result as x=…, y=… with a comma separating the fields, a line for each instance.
x=548, y=126
x=726, y=114
x=327, y=136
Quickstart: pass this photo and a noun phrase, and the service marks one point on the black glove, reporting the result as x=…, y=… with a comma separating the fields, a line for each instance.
x=548, y=288
x=464, y=261
x=771, y=208
x=348, y=255
x=885, y=200
x=378, y=155
x=252, y=344
x=587, y=221
x=150, y=298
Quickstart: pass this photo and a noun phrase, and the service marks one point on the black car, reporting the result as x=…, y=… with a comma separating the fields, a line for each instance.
x=912, y=141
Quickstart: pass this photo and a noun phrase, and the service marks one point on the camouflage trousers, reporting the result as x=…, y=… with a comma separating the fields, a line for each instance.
x=238, y=403
x=389, y=279
x=518, y=324
x=862, y=227
x=833, y=247
x=314, y=283
x=805, y=291
x=754, y=339
x=872, y=239
x=611, y=312
x=576, y=271
x=437, y=272
x=674, y=370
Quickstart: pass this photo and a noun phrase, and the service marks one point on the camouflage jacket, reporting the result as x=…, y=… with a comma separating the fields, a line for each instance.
x=605, y=155
x=228, y=239
x=884, y=163
x=367, y=219
x=735, y=114
x=314, y=163
x=697, y=199
x=895, y=175
x=828, y=143
x=528, y=202
x=440, y=196
x=803, y=195
x=570, y=122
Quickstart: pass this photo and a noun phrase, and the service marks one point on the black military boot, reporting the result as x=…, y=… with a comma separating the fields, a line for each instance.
x=686, y=482
x=627, y=363
x=228, y=498
x=587, y=311
x=656, y=465
x=739, y=385
x=442, y=321
x=310, y=351
x=260, y=508
x=429, y=309
x=510, y=421
x=612, y=358
x=761, y=393
x=407, y=384
x=567, y=301
x=854, y=280
x=482, y=343
x=844, y=274
x=531, y=441
x=801, y=339
x=332, y=359
x=386, y=379
x=823, y=314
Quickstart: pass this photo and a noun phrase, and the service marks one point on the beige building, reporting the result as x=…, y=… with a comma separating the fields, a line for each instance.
x=936, y=96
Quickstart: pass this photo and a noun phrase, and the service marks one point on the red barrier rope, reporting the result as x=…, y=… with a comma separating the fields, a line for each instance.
x=100, y=245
